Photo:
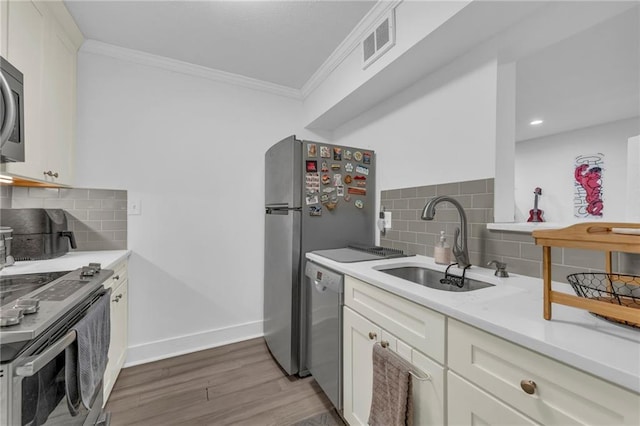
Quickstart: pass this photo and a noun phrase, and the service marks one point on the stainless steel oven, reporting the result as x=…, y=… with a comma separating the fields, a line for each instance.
x=11, y=113
x=34, y=381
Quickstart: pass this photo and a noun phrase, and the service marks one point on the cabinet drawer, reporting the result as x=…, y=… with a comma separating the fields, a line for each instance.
x=416, y=325
x=470, y=405
x=119, y=274
x=563, y=395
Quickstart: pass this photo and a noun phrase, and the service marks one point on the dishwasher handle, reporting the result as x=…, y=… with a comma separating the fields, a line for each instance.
x=321, y=288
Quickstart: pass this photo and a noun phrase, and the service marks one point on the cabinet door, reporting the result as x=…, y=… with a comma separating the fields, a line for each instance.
x=59, y=102
x=25, y=50
x=359, y=337
x=119, y=335
x=469, y=405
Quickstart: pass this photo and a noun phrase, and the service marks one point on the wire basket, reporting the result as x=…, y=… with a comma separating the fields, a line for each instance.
x=618, y=289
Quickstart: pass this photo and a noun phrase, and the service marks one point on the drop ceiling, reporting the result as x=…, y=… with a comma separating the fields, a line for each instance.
x=280, y=42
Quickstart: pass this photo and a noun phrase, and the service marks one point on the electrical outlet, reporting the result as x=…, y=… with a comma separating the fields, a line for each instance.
x=134, y=207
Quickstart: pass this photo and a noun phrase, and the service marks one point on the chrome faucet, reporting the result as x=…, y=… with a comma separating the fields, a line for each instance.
x=460, y=251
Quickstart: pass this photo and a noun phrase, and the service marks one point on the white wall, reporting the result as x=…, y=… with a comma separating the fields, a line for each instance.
x=548, y=163
x=414, y=21
x=442, y=129
x=191, y=150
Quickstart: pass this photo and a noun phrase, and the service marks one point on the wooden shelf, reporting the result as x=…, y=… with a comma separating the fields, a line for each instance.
x=590, y=236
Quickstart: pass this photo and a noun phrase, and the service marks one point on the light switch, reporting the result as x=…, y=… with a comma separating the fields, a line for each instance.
x=133, y=206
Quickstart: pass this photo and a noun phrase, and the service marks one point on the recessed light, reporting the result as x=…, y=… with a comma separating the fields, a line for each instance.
x=536, y=122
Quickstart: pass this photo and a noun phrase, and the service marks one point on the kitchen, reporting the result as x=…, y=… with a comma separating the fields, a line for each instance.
x=188, y=146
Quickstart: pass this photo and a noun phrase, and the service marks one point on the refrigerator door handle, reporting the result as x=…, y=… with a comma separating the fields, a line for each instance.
x=281, y=210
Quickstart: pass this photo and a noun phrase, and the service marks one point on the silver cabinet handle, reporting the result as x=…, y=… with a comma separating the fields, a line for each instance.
x=52, y=174
x=118, y=297
x=372, y=335
x=9, y=112
x=116, y=277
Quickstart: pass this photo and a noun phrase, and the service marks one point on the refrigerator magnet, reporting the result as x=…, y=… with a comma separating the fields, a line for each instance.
x=331, y=205
x=312, y=166
x=348, y=167
x=326, y=180
x=359, y=204
x=312, y=150
x=328, y=190
x=340, y=191
x=361, y=183
x=362, y=170
x=366, y=158
x=337, y=180
x=335, y=166
x=337, y=153
x=357, y=191
x=357, y=156
x=315, y=211
x=358, y=177
x=347, y=197
x=347, y=154
x=348, y=179
x=324, y=198
x=324, y=167
x=312, y=199
x=324, y=152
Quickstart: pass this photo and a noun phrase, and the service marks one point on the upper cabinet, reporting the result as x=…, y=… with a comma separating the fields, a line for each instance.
x=42, y=41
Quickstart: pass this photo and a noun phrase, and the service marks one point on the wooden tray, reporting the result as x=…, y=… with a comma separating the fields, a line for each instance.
x=590, y=236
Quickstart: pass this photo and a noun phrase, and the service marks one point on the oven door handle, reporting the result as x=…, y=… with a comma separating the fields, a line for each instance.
x=35, y=363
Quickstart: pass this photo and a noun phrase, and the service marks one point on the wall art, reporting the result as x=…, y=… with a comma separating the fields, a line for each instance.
x=588, y=188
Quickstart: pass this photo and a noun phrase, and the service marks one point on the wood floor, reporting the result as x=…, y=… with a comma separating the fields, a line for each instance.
x=235, y=384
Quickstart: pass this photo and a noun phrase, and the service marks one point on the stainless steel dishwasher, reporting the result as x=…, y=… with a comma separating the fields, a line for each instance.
x=325, y=297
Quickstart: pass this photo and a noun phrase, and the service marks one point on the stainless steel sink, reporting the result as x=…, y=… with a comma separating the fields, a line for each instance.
x=432, y=279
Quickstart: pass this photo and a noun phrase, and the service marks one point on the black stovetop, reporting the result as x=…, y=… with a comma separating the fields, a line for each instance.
x=13, y=287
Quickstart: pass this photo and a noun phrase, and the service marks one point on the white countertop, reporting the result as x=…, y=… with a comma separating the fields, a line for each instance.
x=68, y=262
x=512, y=309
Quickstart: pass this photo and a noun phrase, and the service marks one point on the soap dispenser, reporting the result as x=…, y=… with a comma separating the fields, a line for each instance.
x=442, y=251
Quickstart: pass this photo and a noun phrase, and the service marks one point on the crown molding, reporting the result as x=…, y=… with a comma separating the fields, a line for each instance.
x=143, y=58
x=352, y=41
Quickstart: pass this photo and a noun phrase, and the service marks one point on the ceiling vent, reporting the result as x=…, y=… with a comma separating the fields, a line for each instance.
x=379, y=41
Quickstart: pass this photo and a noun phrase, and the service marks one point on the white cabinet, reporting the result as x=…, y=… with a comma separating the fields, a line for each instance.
x=119, y=324
x=559, y=394
x=359, y=336
x=360, y=333
x=470, y=405
x=42, y=42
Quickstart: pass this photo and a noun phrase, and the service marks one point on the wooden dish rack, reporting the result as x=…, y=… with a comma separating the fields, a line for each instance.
x=590, y=236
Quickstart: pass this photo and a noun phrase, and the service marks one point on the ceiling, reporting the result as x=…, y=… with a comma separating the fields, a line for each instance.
x=590, y=78
x=281, y=42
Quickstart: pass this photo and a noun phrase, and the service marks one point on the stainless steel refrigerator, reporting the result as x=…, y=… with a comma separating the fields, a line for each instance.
x=317, y=196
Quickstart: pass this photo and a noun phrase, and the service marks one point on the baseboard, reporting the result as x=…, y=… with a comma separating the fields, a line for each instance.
x=180, y=345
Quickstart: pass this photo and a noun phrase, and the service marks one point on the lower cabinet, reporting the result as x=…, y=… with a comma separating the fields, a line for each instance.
x=470, y=405
x=488, y=380
x=119, y=323
x=359, y=336
x=530, y=384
